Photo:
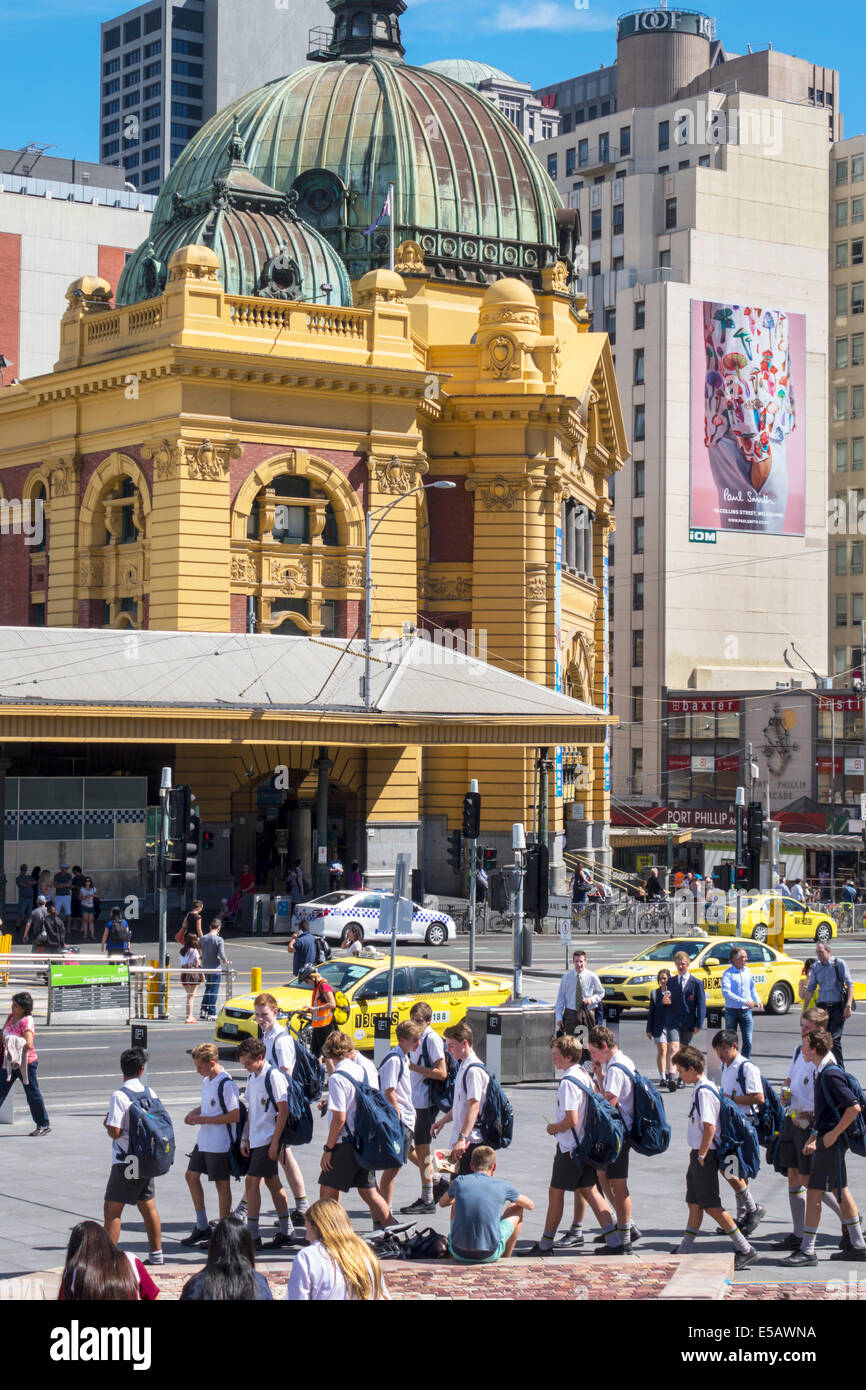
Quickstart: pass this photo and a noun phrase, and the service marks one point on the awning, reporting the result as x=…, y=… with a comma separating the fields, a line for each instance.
x=796, y=840
x=625, y=837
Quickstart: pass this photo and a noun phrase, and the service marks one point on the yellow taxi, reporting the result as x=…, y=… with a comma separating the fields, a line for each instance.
x=799, y=922
x=361, y=989
x=776, y=976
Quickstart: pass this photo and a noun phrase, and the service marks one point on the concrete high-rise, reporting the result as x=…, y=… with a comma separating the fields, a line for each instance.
x=167, y=68
x=702, y=188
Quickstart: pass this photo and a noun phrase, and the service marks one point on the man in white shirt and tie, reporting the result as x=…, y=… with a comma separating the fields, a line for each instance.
x=577, y=987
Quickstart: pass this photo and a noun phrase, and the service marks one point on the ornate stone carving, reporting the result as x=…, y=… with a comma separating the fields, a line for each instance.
x=333, y=574
x=396, y=476
x=501, y=355
x=165, y=459
x=409, y=259
x=559, y=278
x=442, y=587
x=243, y=570
x=91, y=574
x=499, y=495
x=354, y=574
x=536, y=587
x=531, y=317
x=291, y=577
x=208, y=462
x=64, y=477
x=129, y=577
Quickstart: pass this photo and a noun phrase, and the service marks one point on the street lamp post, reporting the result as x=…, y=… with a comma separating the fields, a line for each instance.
x=368, y=576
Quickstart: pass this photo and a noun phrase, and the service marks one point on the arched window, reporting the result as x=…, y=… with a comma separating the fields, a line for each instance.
x=120, y=506
x=38, y=508
x=293, y=509
x=361, y=24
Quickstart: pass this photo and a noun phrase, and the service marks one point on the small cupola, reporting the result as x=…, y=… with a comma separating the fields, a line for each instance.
x=363, y=29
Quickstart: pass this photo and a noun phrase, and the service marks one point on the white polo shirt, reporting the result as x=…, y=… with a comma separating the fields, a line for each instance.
x=280, y=1048
x=434, y=1047
x=216, y=1139
x=342, y=1094
x=118, y=1117
x=469, y=1085
x=751, y=1081
x=262, y=1116
x=571, y=1095
x=621, y=1086
x=394, y=1074
x=802, y=1077
x=705, y=1109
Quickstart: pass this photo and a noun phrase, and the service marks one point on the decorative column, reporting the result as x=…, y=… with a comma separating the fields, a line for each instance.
x=62, y=595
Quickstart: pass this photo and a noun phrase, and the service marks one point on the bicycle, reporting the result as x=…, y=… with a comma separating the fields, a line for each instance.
x=843, y=916
x=300, y=1023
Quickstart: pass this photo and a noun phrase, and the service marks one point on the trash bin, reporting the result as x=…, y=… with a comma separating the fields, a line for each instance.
x=514, y=1042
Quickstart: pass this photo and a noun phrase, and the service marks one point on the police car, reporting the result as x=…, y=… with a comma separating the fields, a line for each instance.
x=332, y=915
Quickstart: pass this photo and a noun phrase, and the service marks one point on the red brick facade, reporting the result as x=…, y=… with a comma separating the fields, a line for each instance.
x=111, y=262
x=10, y=302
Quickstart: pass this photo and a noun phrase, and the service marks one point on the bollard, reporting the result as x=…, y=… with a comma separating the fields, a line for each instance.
x=256, y=980
x=7, y=1109
x=381, y=1038
x=6, y=953
x=152, y=988
x=611, y=1020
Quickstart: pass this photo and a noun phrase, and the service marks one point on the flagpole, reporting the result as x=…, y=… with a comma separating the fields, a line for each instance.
x=391, y=203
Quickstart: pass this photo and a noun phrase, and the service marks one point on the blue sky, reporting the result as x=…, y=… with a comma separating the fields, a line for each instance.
x=49, y=51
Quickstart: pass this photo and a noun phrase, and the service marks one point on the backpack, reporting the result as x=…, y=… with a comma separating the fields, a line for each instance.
x=298, y=1128
x=119, y=934
x=309, y=1074
x=151, y=1135
x=840, y=981
x=427, y=1245
x=854, y=1137
x=603, y=1130
x=737, y=1137
x=378, y=1134
x=323, y=950
x=441, y=1092
x=238, y=1163
x=496, y=1117
x=650, y=1132
x=770, y=1116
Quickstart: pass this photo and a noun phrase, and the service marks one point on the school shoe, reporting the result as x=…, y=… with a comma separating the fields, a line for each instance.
x=789, y=1242
x=748, y=1257
x=570, y=1240
x=799, y=1258
x=418, y=1208
x=616, y=1249
x=197, y=1237
x=681, y=1085
x=673, y=1083
x=859, y=1256
x=845, y=1240
x=535, y=1252
x=298, y=1219
x=634, y=1235
x=752, y=1219
x=440, y=1187
x=280, y=1240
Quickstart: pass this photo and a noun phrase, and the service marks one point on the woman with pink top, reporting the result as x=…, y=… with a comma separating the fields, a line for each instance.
x=20, y=1060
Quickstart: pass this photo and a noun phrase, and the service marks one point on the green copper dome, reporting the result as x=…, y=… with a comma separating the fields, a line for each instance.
x=262, y=246
x=467, y=185
x=468, y=71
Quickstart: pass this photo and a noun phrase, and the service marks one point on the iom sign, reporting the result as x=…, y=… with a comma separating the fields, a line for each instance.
x=663, y=21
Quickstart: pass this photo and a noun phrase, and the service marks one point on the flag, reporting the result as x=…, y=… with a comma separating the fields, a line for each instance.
x=387, y=211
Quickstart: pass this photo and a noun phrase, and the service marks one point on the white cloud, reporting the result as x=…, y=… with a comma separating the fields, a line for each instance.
x=547, y=14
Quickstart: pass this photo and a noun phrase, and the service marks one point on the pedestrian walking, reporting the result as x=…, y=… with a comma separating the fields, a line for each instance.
x=77, y=885
x=36, y=925
x=580, y=886
x=63, y=891
x=427, y=1063
x=654, y=887
x=322, y=1006
x=213, y=960
x=615, y=1075
x=470, y=1093
x=190, y=973
x=798, y=1097
x=117, y=935
x=688, y=1001
x=741, y=998
x=486, y=1213
x=191, y=922
x=24, y=885
x=702, y=1176
x=335, y=873
x=20, y=1060
x=579, y=997
x=341, y=1170
x=230, y=1275
x=660, y=1031
x=570, y=1172
x=267, y=1113
x=741, y=1083
x=831, y=977
x=97, y=1272
x=87, y=904
x=336, y=1266
x=395, y=1083
x=296, y=883
x=218, y=1109
x=836, y=1108
x=354, y=879
x=281, y=1052
x=124, y=1188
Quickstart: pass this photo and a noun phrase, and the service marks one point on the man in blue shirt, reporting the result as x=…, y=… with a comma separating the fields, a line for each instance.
x=302, y=948
x=848, y=895
x=487, y=1215
x=741, y=998
x=832, y=979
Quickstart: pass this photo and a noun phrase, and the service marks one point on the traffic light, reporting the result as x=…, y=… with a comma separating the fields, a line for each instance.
x=535, y=885
x=755, y=828
x=207, y=840
x=180, y=863
x=742, y=876
x=455, y=850
x=723, y=875
x=491, y=858
x=472, y=815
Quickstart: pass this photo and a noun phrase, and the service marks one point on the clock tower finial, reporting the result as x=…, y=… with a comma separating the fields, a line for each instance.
x=362, y=29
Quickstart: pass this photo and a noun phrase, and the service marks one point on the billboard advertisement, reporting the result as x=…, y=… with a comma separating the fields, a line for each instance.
x=748, y=427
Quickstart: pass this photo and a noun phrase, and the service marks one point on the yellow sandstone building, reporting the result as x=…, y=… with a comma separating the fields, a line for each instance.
x=208, y=449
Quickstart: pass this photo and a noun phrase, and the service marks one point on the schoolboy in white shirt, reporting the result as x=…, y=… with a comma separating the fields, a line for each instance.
x=218, y=1108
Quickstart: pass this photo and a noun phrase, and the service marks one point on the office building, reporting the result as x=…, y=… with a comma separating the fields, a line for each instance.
x=534, y=117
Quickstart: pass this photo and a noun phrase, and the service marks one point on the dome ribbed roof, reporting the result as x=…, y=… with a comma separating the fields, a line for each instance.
x=467, y=185
x=468, y=71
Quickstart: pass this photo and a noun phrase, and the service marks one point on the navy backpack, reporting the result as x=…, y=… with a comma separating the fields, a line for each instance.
x=378, y=1133
x=650, y=1132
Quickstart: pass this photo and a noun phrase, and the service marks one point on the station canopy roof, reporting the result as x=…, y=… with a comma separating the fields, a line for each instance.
x=421, y=692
